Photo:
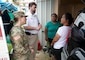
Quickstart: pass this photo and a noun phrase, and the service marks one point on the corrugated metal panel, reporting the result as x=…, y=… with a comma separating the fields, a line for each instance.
x=44, y=10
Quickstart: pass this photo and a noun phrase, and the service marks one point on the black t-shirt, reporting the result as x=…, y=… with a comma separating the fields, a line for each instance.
x=5, y=17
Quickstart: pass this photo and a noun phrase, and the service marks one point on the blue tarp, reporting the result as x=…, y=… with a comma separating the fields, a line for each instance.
x=7, y=6
x=0, y=0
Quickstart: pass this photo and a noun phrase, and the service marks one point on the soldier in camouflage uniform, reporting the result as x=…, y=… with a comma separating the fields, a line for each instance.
x=18, y=37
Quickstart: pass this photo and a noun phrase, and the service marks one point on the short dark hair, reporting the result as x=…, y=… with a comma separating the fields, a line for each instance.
x=54, y=15
x=69, y=17
x=31, y=4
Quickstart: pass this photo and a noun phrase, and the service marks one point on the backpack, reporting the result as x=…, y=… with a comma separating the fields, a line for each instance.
x=77, y=54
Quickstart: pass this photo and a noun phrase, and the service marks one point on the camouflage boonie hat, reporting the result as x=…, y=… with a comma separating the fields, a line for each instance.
x=19, y=14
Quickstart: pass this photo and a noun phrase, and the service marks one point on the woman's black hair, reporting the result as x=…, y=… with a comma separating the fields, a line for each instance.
x=54, y=15
x=69, y=17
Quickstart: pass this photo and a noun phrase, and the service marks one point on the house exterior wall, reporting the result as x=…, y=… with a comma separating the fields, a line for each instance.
x=46, y=7
x=55, y=6
x=63, y=6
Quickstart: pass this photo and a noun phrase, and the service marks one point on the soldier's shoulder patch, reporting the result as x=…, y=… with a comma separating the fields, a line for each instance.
x=17, y=37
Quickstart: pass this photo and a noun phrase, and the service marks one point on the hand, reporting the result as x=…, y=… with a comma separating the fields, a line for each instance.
x=31, y=48
x=39, y=27
x=46, y=38
x=32, y=51
x=51, y=44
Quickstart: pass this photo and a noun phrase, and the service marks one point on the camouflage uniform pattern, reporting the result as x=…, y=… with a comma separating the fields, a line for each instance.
x=20, y=44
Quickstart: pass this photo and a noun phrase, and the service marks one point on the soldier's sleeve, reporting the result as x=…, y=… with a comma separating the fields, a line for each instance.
x=18, y=42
